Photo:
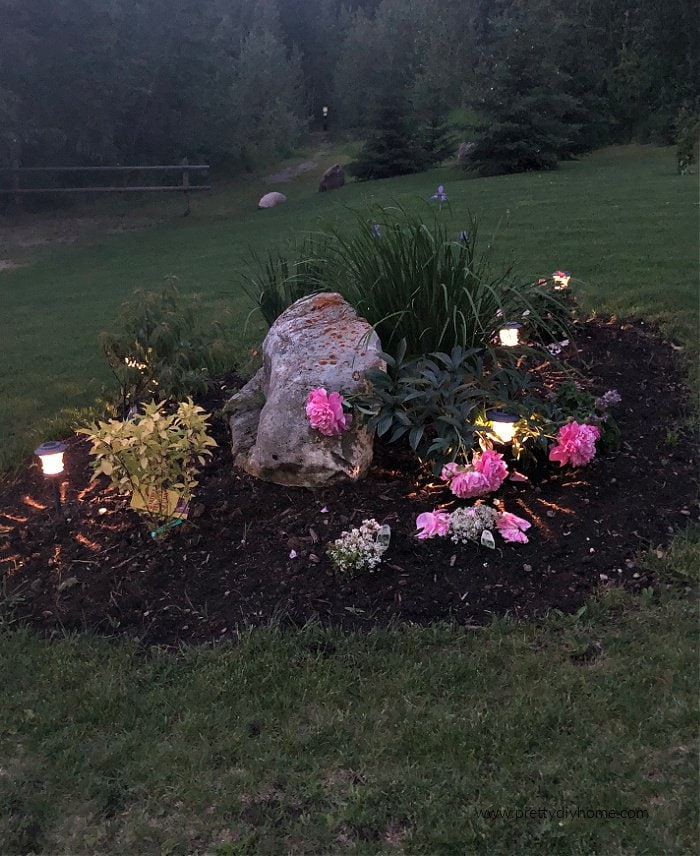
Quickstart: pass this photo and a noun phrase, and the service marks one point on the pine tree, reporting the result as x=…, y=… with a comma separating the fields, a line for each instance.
x=434, y=135
x=525, y=112
x=391, y=148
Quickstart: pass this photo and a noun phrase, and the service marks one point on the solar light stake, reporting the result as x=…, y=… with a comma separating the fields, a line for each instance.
x=509, y=334
x=502, y=424
x=51, y=456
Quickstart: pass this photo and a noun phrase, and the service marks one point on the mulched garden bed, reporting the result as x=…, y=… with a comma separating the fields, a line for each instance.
x=230, y=566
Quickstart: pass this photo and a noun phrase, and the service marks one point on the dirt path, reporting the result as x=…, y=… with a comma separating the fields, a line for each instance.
x=319, y=140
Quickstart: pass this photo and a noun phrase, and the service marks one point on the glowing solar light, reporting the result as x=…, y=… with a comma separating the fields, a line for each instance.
x=509, y=334
x=502, y=424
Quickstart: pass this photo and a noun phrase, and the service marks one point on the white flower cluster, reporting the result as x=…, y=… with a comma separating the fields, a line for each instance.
x=360, y=549
x=468, y=524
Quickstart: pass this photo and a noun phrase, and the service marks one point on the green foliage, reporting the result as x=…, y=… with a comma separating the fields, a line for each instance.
x=391, y=148
x=524, y=111
x=151, y=453
x=161, y=352
x=438, y=402
x=435, y=137
x=277, y=281
x=598, y=217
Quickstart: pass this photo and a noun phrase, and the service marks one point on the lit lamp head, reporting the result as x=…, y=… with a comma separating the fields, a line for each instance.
x=51, y=456
x=502, y=424
x=561, y=278
x=509, y=334
x=324, y=111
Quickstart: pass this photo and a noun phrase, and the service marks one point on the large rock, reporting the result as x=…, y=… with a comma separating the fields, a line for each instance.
x=464, y=151
x=269, y=200
x=332, y=178
x=318, y=342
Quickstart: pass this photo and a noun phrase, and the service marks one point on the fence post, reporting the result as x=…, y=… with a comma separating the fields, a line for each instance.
x=16, y=196
x=186, y=184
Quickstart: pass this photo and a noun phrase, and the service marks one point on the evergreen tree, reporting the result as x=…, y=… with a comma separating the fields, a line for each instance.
x=524, y=111
x=431, y=110
x=390, y=149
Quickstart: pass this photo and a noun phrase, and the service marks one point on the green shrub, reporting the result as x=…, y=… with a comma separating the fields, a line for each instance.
x=161, y=351
x=151, y=454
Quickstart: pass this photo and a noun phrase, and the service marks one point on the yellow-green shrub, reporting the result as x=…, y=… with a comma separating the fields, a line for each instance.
x=153, y=451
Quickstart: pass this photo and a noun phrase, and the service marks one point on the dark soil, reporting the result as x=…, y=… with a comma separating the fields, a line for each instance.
x=230, y=567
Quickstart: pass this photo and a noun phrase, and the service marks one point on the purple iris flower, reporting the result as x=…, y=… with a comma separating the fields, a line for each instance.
x=440, y=194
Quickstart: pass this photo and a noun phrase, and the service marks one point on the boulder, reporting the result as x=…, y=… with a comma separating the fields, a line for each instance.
x=269, y=200
x=464, y=151
x=319, y=342
x=332, y=178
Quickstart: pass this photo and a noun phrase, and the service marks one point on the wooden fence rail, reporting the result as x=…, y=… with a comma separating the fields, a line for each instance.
x=16, y=172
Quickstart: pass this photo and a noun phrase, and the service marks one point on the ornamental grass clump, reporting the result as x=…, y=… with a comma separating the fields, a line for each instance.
x=413, y=279
x=154, y=457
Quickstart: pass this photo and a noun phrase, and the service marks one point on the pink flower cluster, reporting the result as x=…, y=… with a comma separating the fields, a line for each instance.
x=325, y=412
x=575, y=444
x=486, y=473
x=511, y=527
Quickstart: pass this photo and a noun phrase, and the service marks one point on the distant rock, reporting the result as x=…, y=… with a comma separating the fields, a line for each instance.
x=319, y=342
x=465, y=150
x=332, y=179
x=270, y=200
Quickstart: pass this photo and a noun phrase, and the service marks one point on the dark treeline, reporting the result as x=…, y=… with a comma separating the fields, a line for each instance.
x=241, y=81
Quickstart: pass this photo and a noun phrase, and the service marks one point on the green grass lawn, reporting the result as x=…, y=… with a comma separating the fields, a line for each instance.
x=621, y=220
x=315, y=741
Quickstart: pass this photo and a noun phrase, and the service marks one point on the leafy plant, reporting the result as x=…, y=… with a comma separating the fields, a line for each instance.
x=152, y=453
x=438, y=402
x=161, y=350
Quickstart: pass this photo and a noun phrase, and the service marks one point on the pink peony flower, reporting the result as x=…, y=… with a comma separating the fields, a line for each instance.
x=432, y=523
x=512, y=527
x=485, y=474
x=492, y=467
x=576, y=444
x=469, y=483
x=325, y=412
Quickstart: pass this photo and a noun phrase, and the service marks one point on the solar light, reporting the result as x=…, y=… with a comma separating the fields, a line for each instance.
x=509, y=334
x=502, y=424
x=561, y=278
x=51, y=456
